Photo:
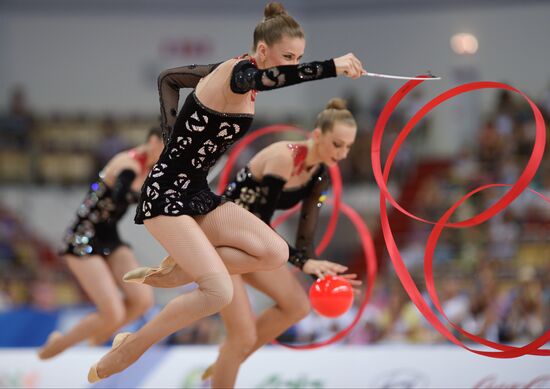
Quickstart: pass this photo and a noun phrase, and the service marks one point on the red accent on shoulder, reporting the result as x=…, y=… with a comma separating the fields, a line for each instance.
x=141, y=158
x=299, y=152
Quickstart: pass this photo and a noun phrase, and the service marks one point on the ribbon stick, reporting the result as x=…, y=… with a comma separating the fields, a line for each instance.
x=428, y=77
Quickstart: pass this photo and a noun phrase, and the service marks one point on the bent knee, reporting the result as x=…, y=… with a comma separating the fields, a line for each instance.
x=275, y=253
x=242, y=341
x=299, y=309
x=113, y=313
x=218, y=289
x=141, y=303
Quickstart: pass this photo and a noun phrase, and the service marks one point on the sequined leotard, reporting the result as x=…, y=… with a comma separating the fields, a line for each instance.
x=177, y=183
x=94, y=230
x=264, y=197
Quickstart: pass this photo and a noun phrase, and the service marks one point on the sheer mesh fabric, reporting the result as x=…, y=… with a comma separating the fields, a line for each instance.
x=169, y=83
x=309, y=215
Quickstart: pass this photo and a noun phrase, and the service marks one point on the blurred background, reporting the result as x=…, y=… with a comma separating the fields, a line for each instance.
x=78, y=84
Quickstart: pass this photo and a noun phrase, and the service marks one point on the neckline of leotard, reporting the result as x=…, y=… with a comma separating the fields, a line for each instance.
x=214, y=112
x=315, y=174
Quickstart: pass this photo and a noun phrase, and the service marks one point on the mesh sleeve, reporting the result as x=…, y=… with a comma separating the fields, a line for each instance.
x=246, y=76
x=122, y=185
x=169, y=83
x=270, y=189
x=309, y=215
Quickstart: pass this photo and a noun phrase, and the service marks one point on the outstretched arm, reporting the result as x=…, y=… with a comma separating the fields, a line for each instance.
x=246, y=76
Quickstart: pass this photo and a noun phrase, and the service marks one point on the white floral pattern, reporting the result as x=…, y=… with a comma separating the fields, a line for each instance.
x=228, y=131
x=177, y=182
x=181, y=145
x=174, y=208
x=158, y=170
x=152, y=191
x=182, y=182
x=146, y=208
x=198, y=125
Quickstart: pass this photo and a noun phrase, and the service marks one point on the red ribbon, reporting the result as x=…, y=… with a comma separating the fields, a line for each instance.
x=504, y=351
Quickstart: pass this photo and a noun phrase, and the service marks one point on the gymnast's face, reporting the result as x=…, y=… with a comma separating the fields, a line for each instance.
x=287, y=51
x=334, y=145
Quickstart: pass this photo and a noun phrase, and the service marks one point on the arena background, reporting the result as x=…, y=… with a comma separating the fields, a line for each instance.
x=78, y=84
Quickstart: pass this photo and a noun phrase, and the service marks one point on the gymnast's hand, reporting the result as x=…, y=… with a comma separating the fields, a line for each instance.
x=349, y=66
x=322, y=268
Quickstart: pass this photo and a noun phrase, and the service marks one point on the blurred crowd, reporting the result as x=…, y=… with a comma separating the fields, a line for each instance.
x=493, y=279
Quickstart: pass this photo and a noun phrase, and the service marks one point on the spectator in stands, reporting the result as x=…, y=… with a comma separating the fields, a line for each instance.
x=16, y=127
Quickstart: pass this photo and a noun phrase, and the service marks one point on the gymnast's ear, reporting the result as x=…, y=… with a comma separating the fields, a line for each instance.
x=316, y=134
x=261, y=49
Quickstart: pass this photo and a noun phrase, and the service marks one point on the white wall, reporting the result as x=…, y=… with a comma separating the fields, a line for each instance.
x=94, y=61
x=101, y=63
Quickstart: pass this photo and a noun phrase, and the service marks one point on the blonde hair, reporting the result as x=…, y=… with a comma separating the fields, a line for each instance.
x=335, y=111
x=277, y=23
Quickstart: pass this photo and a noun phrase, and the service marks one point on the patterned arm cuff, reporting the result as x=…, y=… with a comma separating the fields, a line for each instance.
x=297, y=258
x=246, y=76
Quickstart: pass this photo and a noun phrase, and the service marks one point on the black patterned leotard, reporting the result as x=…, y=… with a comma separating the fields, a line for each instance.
x=264, y=197
x=177, y=183
x=94, y=230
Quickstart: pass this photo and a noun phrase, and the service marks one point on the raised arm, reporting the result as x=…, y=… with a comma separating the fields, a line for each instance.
x=169, y=84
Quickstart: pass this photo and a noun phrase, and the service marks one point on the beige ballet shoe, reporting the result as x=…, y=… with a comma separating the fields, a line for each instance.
x=208, y=372
x=167, y=262
x=140, y=274
x=93, y=376
x=43, y=352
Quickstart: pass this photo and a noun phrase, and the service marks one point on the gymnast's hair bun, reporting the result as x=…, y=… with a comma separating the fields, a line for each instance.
x=337, y=103
x=273, y=9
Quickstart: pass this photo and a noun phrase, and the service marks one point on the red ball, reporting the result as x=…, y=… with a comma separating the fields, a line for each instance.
x=331, y=296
